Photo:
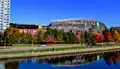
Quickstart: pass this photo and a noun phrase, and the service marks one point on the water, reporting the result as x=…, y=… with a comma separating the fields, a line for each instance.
x=108, y=61
x=100, y=64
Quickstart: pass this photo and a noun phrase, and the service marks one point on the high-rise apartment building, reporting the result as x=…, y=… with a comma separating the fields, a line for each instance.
x=4, y=14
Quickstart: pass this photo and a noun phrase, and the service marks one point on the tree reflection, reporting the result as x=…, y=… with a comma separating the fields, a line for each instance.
x=109, y=58
x=11, y=65
x=114, y=57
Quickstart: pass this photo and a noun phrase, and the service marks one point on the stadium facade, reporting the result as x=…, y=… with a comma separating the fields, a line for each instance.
x=78, y=25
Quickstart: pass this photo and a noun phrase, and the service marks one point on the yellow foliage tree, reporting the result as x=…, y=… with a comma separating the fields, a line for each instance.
x=12, y=31
x=41, y=33
x=116, y=36
x=42, y=30
x=12, y=34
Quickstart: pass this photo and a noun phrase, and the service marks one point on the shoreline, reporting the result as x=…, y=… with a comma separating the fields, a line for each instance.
x=60, y=53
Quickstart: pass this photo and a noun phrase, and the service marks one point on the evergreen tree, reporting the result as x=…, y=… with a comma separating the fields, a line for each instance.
x=90, y=37
x=85, y=37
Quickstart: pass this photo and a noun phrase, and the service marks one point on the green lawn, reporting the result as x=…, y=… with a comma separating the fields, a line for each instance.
x=18, y=45
x=39, y=50
x=8, y=47
x=25, y=45
x=44, y=50
x=64, y=45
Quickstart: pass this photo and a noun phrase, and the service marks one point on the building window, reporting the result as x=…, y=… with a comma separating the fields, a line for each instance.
x=81, y=25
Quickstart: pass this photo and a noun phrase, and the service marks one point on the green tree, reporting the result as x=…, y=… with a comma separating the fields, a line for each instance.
x=85, y=37
x=25, y=38
x=66, y=37
x=71, y=37
x=112, y=29
x=1, y=37
x=59, y=35
x=90, y=36
x=50, y=36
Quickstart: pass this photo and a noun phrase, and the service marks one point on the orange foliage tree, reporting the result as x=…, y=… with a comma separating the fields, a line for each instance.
x=116, y=36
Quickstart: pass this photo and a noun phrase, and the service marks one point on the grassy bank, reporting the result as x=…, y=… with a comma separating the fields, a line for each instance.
x=40, y=50
x=57, y=49
x=48, y=49
x=48, y=44
x=20, y=45
x=65, y=44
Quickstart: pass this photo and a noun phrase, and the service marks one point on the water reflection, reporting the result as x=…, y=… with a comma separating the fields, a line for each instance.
x=11, y=65
x=95, y=61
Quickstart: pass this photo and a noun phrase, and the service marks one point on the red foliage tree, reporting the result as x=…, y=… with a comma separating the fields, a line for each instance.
x=34, y=38
x=78, y=36
x=98, y=37
x=50, y=40
x=109, y=36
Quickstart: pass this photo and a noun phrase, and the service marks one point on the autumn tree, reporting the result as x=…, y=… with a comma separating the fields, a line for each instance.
x=108, y=35
x=78, y=35
x=11, y=35
x=118, y=29
x=116, y=36
x=98, y=37
x=41, y=33
x=25, y=38
x=105, y=35
x=49, y=36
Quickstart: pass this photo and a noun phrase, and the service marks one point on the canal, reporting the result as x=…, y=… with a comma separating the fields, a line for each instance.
x=109, y=60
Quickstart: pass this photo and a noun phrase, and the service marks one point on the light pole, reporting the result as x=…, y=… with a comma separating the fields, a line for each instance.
x=32, y=43
x=32, y=40
x=4, y=41
x=83, y=38
x=33, y=32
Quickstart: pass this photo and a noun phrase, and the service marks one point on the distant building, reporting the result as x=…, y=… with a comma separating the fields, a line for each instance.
x=4, y=14
x=48, y=26
x=118, y=28
x=39, y=26
x=26, y=28
x=77, y=25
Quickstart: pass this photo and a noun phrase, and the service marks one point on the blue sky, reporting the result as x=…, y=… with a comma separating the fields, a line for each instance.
x=42, y=11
